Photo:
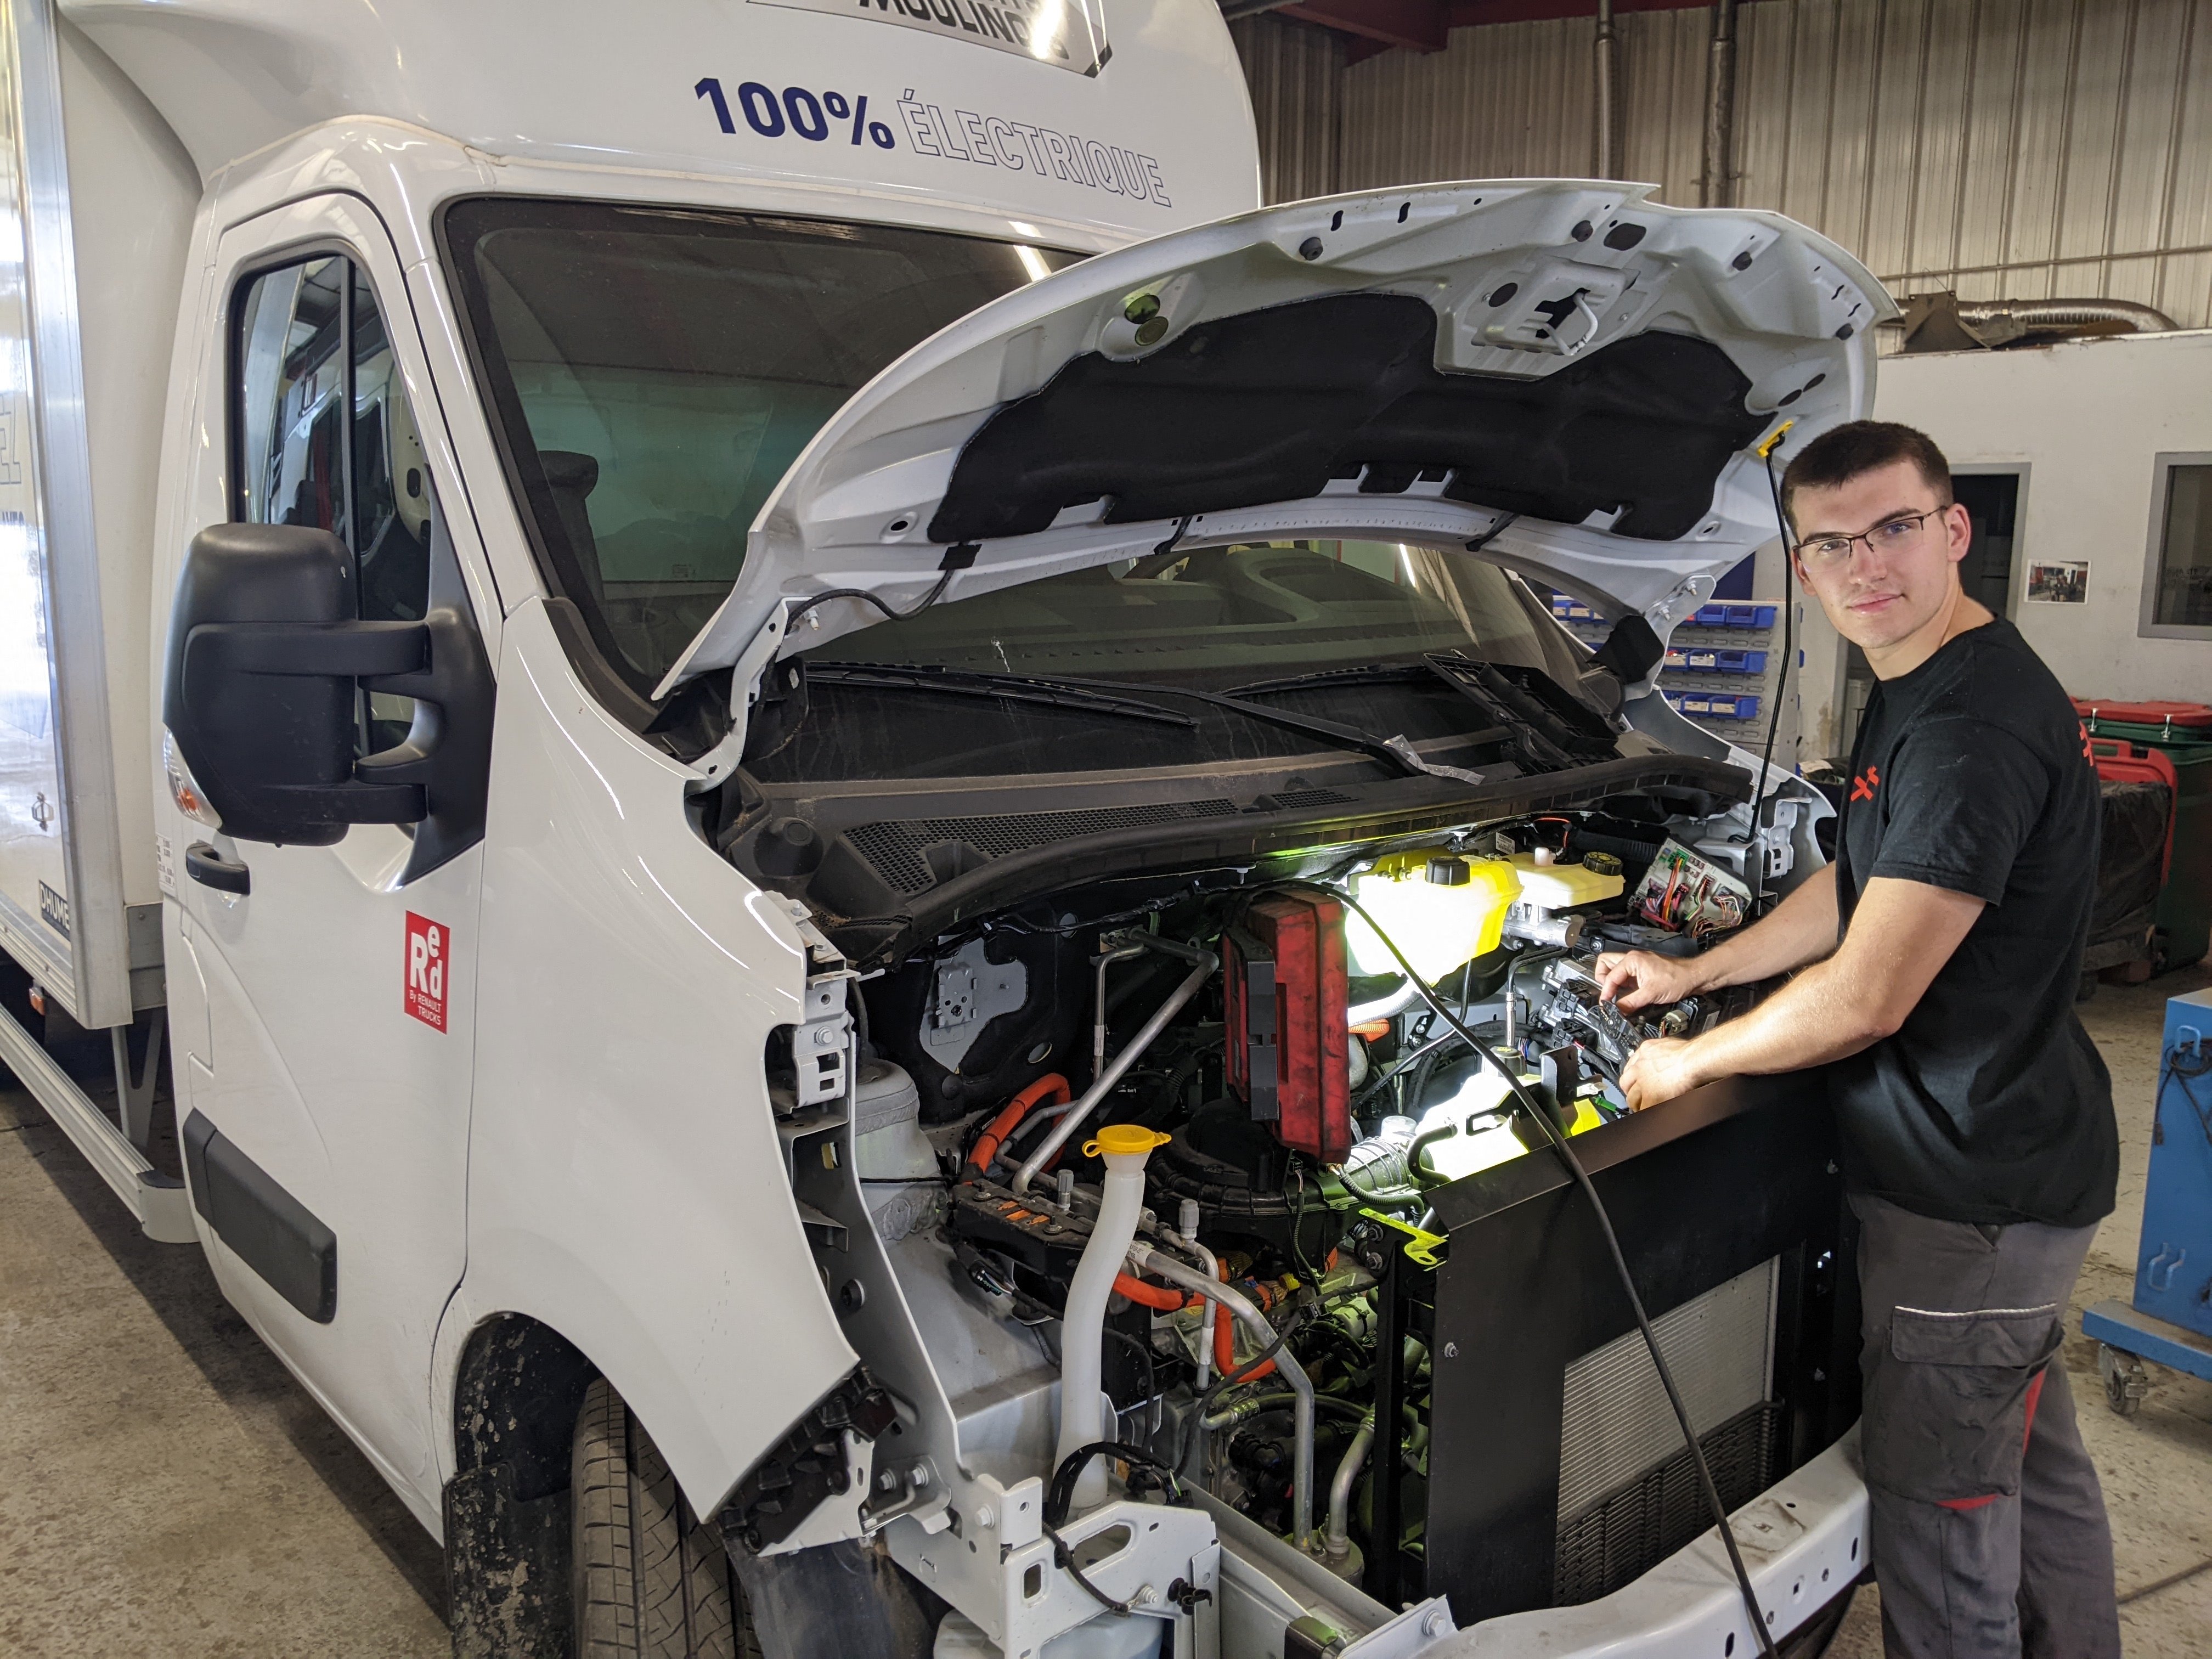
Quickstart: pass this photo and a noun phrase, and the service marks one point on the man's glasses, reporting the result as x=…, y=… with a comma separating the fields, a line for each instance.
x=1890, y=535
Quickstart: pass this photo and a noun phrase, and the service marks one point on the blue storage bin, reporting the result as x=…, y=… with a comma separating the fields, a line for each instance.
x=1740, y=662
x=1676, y=658
x=1738, y=708
x=1705, y=661
x=1711, y=616
x=1749, y=616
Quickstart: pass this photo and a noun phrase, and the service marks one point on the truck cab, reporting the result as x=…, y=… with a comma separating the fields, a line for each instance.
x=711, y=648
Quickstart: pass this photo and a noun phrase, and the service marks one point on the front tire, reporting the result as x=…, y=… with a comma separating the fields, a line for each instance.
x=649, y=1582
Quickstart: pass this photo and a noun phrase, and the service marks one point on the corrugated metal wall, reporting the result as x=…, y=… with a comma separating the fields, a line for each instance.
x=1296, y=77
x=2008, y=149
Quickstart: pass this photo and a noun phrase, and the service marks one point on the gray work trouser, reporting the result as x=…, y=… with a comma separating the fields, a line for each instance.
x=1988, y=1529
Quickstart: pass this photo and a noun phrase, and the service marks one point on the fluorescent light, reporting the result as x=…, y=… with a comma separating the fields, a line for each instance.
x=1032, y=262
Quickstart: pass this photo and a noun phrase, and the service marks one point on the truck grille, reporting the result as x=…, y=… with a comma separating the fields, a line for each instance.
x=1628, y=1492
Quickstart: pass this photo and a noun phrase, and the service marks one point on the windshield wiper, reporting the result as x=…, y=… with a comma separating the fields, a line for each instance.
x=982, y=682
x=1529, y=727
x=1394, y=753
x=1115, y=697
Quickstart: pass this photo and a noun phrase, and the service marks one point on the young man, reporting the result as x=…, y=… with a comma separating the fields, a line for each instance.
x=1941, y=953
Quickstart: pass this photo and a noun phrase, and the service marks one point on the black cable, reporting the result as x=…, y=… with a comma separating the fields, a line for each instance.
x=1789, y=652
x=1061, y=1491
x=1152, y=1373
x=1065, y=1562
x=861, y=593
x=1226, y=1381
x=1529, y=1105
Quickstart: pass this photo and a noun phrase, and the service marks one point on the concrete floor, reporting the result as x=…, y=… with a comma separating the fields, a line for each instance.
x=166, y=1488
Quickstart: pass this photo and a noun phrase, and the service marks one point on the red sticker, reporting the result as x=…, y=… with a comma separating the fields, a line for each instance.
x=428, y=944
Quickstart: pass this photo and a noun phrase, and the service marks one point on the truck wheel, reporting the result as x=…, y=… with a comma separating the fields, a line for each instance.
x=649, y=1582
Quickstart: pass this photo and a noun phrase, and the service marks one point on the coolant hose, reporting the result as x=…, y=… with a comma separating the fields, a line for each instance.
x=1204, y=963
x=1082, y=1332
x=1339, y=1544
x=1144, y=1259
x=1157, y=1297
x=1051, y=1086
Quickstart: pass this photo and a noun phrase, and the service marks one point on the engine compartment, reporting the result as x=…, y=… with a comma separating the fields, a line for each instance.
x=1308, y=1106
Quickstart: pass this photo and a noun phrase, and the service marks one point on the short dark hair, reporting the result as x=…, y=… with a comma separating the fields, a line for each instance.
x=1844, y=452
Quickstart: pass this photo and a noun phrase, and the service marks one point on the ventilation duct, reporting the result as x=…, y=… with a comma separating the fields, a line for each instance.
x=1943, y=322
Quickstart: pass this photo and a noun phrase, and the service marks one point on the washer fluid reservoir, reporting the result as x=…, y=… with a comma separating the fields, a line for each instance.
x=1550, y=885
x=1442, y=910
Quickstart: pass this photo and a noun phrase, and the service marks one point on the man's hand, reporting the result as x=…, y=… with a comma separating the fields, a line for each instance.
x=1636, y=979
x=1659, y=1069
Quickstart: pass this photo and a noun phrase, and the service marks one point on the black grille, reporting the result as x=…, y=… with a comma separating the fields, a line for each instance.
x=912, y=854
x=1291, y=800
x=1625, y=1533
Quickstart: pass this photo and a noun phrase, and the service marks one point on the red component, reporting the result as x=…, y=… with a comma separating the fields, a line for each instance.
x=1287, y=986
x=2117, y=760
x=2189, y=717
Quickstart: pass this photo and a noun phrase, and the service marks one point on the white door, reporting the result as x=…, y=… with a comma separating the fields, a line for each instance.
x=326, y=1096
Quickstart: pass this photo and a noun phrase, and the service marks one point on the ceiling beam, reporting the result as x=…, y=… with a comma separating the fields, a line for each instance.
x=1419, y=25
x=1473, y=14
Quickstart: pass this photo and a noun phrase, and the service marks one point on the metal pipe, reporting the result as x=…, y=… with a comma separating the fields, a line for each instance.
x=1206, y=962
x=1608, y=93
x=1144, y=1259
x=2145, y=319
x=1338, y=1545
x=1717, y=187
x=1185, y=1238
x=1104, y=960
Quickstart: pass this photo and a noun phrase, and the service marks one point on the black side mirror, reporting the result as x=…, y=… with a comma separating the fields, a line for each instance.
x=265, y=655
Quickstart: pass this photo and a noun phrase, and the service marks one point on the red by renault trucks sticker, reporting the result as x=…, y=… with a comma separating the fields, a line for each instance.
x=429, y=945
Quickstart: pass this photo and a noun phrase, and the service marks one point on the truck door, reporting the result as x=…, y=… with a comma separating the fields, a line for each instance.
x=324, y=1088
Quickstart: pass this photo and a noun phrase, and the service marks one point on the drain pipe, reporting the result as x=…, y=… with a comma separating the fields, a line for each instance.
x=1608, y=93
x=1144, y=1258
x=1717, y=187
x=1203, y=964
x=1082, y=1330
x=1338, y=1548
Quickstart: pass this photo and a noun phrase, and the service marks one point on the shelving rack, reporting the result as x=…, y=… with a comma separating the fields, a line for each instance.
x=1723, y=670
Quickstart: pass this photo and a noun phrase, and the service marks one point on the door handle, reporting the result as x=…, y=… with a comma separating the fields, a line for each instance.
x=211, y=869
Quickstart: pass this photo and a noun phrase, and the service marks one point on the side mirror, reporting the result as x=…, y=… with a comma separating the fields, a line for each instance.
x=266, y=654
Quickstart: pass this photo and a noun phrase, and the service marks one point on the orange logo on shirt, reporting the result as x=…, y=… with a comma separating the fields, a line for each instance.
x=1862, y=788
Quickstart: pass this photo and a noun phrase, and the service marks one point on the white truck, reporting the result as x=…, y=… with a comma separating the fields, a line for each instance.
x=727, y=688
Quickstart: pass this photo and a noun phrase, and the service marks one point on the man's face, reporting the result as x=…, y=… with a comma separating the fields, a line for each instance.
x=1884, y=589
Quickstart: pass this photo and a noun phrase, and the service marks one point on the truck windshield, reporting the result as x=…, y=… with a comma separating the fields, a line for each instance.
x=655, y=371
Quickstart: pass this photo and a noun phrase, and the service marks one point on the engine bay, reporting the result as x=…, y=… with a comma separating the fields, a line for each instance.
x=1294, y=1101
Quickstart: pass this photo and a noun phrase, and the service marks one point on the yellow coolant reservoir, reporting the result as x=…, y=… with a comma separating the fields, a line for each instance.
x=1441, y=909
x=1553, y=886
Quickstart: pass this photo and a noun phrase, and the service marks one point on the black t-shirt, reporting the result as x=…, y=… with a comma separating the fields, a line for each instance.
x=1989, y=1104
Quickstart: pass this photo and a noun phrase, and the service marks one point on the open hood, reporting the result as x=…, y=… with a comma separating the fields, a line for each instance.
x=1566, y=375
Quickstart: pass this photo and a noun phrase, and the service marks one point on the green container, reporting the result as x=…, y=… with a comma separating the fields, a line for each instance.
x=2185, y=905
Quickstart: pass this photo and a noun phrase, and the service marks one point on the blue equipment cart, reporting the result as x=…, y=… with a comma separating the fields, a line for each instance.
x=2170, y=1319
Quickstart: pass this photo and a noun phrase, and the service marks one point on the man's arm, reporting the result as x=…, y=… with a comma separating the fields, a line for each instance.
x=1902, y=933
x=1799, y=930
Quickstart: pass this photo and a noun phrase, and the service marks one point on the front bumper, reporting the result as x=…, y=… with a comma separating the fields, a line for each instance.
x=1804, y=1542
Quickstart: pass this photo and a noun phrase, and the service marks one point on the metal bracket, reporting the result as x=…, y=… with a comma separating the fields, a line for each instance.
x=822, y=1042
x=159, y=1201
x=717, y=764
x=135, y=1095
